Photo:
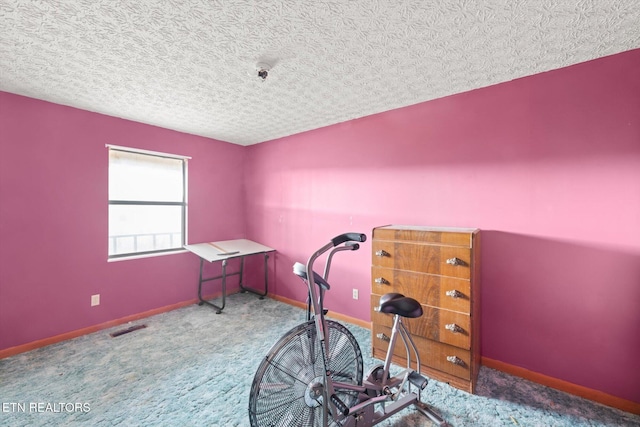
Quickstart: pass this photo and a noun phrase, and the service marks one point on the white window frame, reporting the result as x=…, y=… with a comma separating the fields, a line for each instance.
x=183, y=204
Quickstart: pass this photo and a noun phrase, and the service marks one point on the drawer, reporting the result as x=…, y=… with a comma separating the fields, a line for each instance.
x=449, y=261
x=437, y=235
x=437, y=291
x=436, y=355
x=444, y=326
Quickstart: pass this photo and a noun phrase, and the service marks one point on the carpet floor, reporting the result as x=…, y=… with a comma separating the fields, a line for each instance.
x=192, y=367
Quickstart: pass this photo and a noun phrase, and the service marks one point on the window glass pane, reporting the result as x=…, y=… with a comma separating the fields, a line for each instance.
x=136, y=228
x=143, y=177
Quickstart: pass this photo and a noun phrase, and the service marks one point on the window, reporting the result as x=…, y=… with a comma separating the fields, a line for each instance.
x=147, y=202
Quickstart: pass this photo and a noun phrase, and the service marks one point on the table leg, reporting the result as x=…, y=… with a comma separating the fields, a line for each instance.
x=201, y=300
x=224, y=286
x=241, y=272
x=266, y=278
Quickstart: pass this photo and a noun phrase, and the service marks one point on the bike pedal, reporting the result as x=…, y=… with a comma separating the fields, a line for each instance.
x=418, y=380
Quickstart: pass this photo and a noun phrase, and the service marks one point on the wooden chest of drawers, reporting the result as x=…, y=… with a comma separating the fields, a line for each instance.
x=439, y=267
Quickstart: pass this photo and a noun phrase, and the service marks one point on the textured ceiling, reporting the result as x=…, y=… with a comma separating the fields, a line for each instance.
x=189, y=65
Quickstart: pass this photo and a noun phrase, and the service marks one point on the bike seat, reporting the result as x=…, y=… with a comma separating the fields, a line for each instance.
x=300, y=269
x=394, y=303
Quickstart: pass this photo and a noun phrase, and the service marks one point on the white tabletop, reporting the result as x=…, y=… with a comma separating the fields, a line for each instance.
x=225, y=249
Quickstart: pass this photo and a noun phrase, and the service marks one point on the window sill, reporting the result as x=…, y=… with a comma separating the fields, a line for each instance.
x=133, y=256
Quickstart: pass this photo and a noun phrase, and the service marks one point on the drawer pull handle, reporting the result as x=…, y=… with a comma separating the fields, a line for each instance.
x=383, y=337
x=455, y=261
x=453, y=328
x=454, y=294
x=382, y=253
x=381, y=281
x=455, y=360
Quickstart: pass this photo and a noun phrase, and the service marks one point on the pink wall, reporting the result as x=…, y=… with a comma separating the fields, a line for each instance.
x=53, y=219
x=547, y=166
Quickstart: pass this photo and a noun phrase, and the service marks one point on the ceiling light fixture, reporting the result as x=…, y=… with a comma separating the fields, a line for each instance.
x=263, y=70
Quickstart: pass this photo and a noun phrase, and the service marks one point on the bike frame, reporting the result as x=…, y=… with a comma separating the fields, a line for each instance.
x=363, y=412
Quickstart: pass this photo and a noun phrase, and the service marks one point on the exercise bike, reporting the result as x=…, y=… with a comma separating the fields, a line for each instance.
x=313, y=375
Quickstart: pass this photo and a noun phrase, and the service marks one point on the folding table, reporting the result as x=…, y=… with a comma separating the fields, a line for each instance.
x=223, y=251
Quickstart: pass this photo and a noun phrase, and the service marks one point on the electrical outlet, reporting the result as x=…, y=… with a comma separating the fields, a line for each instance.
x=95, y=300
x=355, y=294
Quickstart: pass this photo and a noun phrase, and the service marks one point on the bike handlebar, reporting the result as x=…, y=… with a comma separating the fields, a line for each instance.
x=306, y=271
x=349, y=237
